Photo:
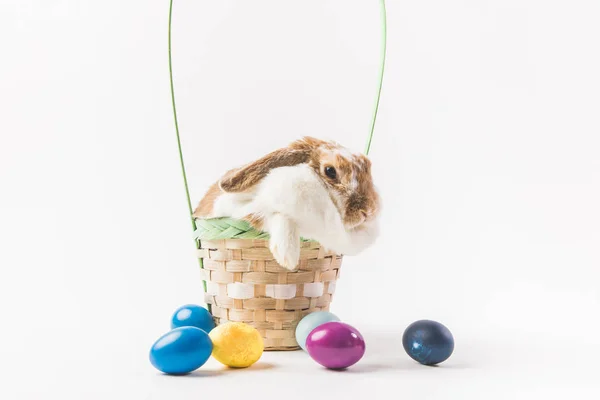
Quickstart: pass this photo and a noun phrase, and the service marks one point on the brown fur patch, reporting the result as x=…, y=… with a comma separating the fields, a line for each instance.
x=345, y=167
x=206, y=206
x=255, y=221
x=363, y=202
x=244, y=178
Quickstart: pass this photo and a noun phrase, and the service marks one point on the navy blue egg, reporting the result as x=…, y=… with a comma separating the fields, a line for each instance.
x=428, y=342
x=193, y=315
x=181, y=350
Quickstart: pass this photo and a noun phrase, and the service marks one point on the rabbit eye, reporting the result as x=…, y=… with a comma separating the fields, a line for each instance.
x=330, y=172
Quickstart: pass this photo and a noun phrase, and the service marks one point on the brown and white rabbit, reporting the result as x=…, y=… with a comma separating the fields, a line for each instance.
x=313, y=189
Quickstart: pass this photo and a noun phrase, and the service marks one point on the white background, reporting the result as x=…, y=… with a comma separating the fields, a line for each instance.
x=486, y=152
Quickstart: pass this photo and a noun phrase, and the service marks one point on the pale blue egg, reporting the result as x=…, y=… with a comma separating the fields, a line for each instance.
x=310, y=322
x=181, y=350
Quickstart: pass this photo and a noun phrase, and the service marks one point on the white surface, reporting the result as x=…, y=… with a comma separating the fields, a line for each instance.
x=486, y=152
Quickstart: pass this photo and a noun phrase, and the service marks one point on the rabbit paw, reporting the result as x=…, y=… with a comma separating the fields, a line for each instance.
x=285, y=242
x=286, y=253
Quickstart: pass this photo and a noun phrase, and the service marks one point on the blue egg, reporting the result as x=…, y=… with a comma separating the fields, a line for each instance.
x=181, y=350
x=428, y=342
x=309, y=323
x=193, y=315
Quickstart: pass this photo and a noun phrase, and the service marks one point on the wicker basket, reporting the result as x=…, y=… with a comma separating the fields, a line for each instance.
x=244, y=283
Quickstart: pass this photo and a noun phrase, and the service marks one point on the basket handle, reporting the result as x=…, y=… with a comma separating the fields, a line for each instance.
x=381, y=70
x=374, y=117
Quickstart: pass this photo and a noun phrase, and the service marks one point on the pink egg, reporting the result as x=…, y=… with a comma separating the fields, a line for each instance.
x=335, y=345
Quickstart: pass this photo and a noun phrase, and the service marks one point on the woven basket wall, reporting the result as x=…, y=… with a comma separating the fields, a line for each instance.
x=245, y=284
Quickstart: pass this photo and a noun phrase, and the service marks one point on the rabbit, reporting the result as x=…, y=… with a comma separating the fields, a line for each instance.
x=313, y=189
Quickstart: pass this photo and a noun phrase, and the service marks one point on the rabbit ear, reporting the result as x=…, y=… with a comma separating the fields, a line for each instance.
x=242, y=179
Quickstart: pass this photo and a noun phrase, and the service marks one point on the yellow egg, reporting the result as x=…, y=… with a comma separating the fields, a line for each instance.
x=236, y=344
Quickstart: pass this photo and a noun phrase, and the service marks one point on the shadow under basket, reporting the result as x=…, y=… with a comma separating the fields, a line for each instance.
x=245, y=284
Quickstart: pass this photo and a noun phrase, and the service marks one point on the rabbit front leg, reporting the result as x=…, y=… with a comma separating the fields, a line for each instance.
x=285, y=240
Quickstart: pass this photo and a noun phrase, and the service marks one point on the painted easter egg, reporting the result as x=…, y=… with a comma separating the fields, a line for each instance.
x=335, y=345
x=236, y=344
x=192, y=315
x=428, y=342
x=309, y=323
x=181, y=350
